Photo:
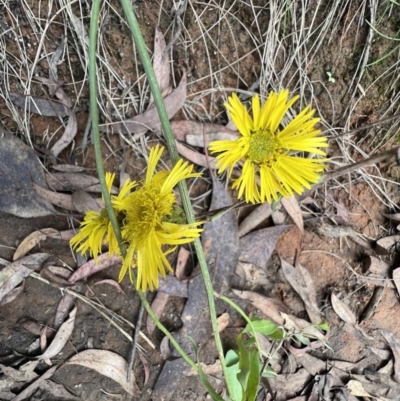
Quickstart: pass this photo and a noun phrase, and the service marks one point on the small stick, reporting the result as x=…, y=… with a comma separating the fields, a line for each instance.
x=135, y=340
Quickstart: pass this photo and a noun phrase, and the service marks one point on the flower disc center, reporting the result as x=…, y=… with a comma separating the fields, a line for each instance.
x=262, y=147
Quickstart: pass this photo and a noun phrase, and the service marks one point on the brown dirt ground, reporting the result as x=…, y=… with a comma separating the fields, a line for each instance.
x=317, y=253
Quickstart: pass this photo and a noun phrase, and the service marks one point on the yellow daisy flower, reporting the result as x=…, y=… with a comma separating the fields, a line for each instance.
x=268, y=149
x=148, y=227
x=96, y=228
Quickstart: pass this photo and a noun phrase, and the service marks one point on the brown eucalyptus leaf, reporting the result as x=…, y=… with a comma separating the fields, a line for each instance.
x=108, y=364
x=56, y=89
x=161, y=64
x=198, y=140
x=343, y=311
x=270, y=307
x=74, y=182
x=302, y=283
x=68, y=136
x=64, y=307
x=59, y=199
x=256, y=217
x=31, y=241
x=293, y=209
x=20, y=171
x=396, y=279
x=27, y=392
x=393, y=216
x=12, y=295
x=61, y=338
x=68, y=168
x=157, y=307
x=84, y=203
x=38, y=105
x=93, y=266
x=188, y=127
x=257, y=247
x=196, y=157
x=13, y=274
x=150, y=119
x=386, y=244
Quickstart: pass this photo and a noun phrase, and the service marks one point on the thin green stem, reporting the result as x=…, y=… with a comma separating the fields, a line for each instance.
x=170, y=141
x=100, y=169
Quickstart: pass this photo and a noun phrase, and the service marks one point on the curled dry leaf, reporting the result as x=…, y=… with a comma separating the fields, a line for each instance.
x=293, y=209
x=393, y=216
x=69, y=134
x=111, y=282
x=31, y=241
x=63, y=309
x=374, y=265
x=394, y=344
x=104, y=261
x=270, y=307
x=12, y=295
x=223, y=321
x=257, y=216
x=65, y=235
x=303, y=284
x=27, y=392
x=61, y=338
x=342, y=310
x=386, y=244
x=68, y=168
x=13, y=274
x=108, y=364
x=396, y=279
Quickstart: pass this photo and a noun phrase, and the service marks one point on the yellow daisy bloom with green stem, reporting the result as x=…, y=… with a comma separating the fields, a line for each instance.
x=149, y=217
x=149, y=228
x=269, y=150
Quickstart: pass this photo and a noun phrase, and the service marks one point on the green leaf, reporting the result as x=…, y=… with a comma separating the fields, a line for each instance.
x=302, y=339
x=232, y=365
x=244, y=362
x=266, y=328
x=254, y=376
x=323, y=326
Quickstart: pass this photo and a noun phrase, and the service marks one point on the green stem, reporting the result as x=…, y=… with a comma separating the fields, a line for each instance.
x=100, y=170
x=170, y=141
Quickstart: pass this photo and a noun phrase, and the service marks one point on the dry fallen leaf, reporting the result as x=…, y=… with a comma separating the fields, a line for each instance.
x=196, y=157
x=75, y=181
x=38, y=105
x=302, y=283
x=257, y=247
x=343, y=311
x=108, y=364
x=293, y=209
x=13, y=274
x=396, y=279
x=83, y=202
x=64, y=307
x=31, y=241
x=270, y=307
x=223, y=321
x=386, y=244
x=157, y=307
x=257, y=216
x=394, y=344
x=68, y=136
x=62, y=336
x=150, y=119
x=104, y=261
x=59, y=199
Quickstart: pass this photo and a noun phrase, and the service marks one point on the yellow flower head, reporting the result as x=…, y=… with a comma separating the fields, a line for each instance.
x=268, y=149
x=148, y=226
x=96, y=229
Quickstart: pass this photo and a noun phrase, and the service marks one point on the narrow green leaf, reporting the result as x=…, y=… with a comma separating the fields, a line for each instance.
x=254, y=375
x=264, y=327
x=244, y=362
x=302, y=339
x=232, y=365
x=323, y=326
x=269, y=373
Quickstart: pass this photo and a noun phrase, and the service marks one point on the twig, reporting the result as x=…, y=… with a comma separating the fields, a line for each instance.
x=135, y=340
